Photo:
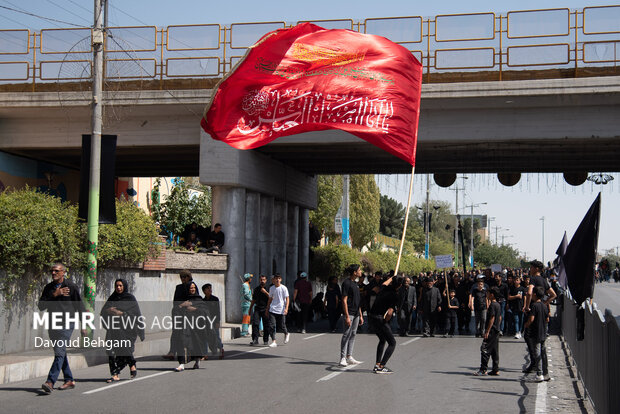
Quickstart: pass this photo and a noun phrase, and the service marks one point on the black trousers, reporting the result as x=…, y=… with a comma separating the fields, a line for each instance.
x=257, y=316
x=276, y=321
x=333, y=315
x=450, y=322
x=464, y=317
x=404, y=320
x=430, y=321
x=302, y=317
x=384, y=333
x=490, y=348
x=117, y=363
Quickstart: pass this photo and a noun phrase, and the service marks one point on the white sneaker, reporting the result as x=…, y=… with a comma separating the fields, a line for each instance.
x=352, y=361
x=180, y=368
x=273, y=344
x=518, y=335
x=287, y=337
x=343, y=362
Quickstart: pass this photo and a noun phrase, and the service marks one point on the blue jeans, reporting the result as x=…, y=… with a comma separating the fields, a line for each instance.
x=502, y=305
x=518, y=317
x=61, y=362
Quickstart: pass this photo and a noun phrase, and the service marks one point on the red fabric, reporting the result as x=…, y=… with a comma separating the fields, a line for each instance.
x=307, y=78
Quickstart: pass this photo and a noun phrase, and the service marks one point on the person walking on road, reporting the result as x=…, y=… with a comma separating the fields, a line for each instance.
x=260, y=298
x=60, y=297
x=352, y=312
x=302, y=294
x=535, y=336
x=490, y=343
x=387, y=298
x=122, y=307
x=277, y=309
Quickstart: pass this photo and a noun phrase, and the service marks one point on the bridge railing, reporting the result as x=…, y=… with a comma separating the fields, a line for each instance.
x=522, y=44
x=597, y=356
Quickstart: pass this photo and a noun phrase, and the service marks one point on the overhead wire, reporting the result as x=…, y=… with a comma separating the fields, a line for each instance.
x=50, y=19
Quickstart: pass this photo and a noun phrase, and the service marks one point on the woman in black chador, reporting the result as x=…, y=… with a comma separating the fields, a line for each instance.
x=191, y=345
x=123, y=323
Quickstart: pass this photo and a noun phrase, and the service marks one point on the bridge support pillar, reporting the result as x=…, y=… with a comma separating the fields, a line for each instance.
x=263, y=206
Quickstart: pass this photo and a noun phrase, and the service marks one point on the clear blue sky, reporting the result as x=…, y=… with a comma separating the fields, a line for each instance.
x=517, y=208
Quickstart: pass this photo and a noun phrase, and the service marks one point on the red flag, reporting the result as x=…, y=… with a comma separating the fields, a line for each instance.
x=307, y=78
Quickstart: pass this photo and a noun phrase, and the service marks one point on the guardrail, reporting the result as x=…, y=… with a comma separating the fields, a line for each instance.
x=597, y=356
x=477, y=46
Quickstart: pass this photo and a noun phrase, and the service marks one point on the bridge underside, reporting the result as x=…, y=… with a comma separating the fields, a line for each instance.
x=562, y=125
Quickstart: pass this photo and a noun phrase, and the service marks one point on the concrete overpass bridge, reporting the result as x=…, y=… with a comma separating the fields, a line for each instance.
x=495, y=98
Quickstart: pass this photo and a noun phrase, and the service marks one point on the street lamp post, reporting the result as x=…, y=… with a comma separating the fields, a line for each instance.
x=456, y=220
x=543, y=238
x=471, y=246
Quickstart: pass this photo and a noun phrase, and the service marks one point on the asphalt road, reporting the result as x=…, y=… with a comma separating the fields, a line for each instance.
x=431, y=375
x=607, y=296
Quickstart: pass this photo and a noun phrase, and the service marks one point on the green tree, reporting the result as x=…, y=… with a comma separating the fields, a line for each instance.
x=36, y=230
x=364, y=211
x=130, y=240
x=392, y=217
x=441, y=235
x=487, y=254
x=176, y=209
x=467, y=234
x=329, y=197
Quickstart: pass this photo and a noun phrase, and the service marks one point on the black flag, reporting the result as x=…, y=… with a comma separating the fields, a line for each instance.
x=561, y=251
x=107, y=199
x=580, y=256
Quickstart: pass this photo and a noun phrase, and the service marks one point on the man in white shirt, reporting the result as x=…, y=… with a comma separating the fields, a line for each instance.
x=277, y=308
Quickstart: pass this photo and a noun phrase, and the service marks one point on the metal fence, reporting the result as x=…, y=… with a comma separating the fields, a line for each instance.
x=597, y=356
x=471, y=44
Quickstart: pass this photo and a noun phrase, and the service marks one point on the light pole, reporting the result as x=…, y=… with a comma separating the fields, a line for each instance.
x=543, y=238
x=471, y=246
x=503, y=236
x=498, y=228
x=456, y=220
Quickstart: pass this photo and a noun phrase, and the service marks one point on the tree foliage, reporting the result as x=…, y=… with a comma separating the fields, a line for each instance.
x=331, y=260
x=329, y=197
x=392, y=218
x=487, y=254
x=36, y=230
x=364, y=211
x=130, y=240
x=187, y=202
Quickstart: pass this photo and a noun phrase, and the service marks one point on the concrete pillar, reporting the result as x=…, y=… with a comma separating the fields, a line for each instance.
x=304, y=239
x=252, y=230
x=279, y=237
x=292, y=244
x=229, y=210
x=265, y=235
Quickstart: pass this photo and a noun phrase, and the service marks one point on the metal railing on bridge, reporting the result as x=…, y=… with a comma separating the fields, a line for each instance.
x=526, y=44
x=597, y=356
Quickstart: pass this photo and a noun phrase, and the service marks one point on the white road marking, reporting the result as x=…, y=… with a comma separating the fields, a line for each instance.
x=118, y=384
x=313, y=336
x=410, y=341
x=248, y=352
x=541, y=398
x=336, y=373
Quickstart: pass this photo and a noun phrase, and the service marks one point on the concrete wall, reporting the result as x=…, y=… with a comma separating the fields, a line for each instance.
x=154, y=290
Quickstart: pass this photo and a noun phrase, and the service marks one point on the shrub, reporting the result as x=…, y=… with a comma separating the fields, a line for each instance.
x=35, y=230
x=130, y=240
x=331, y=261
x=385, y=261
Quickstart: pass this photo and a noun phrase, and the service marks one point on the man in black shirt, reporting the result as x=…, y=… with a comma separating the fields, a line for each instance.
x=60, y=296
x=216, y=239
x=214, y=341
x=536, y=279
x=478, y=303
x=430, y=306
x=535, y=335
x=490, y=343
x=260, y=297
x=503, y=296
x=352, y=312
x=380, y=315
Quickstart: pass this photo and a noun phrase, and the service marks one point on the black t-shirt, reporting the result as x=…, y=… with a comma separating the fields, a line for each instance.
x=539, y=281
x=480, y=297
x=386, y=298
x=503, y=292
x=495, y=310
x=516, y=304
x=352, y=292
x=453, y=302
x=333, y=293
x=538, y=329
x=260, y=299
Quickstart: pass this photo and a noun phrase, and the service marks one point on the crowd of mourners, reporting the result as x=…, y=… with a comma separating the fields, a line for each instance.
x=484, y=303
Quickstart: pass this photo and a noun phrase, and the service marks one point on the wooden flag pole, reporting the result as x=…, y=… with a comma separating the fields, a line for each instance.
x=402, y=241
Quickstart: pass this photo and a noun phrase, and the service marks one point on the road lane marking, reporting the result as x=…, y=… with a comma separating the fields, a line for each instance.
x=248, y=352
x=336, y=373
x=541, y=398
x=313, y=336
x=118, y=384
x=410, y=341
